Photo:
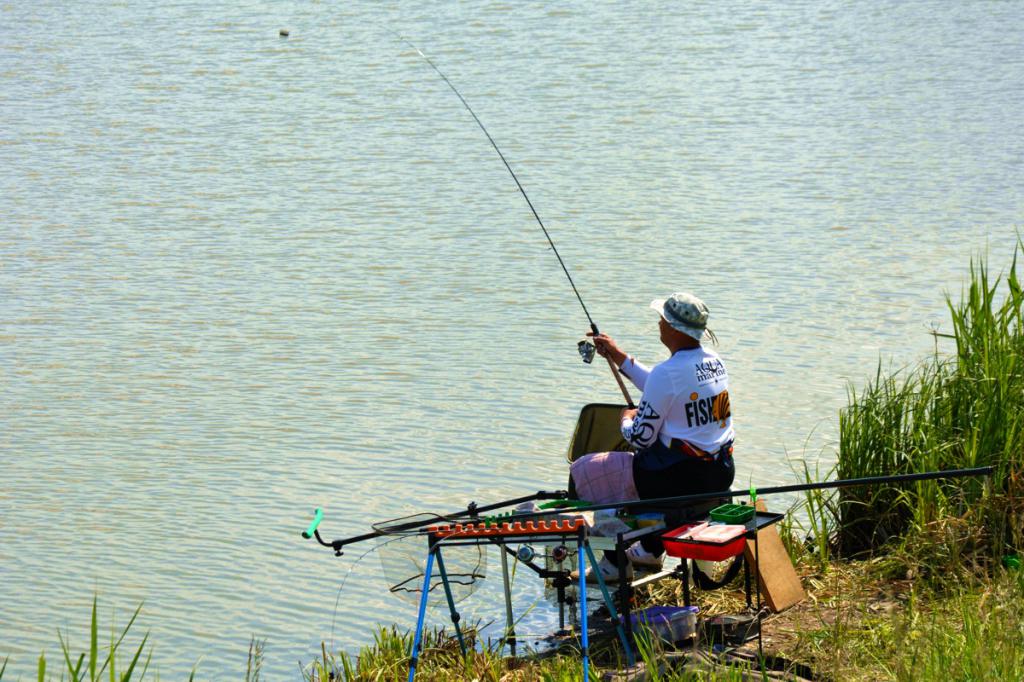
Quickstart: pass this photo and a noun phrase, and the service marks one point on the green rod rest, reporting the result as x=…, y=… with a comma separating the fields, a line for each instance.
x=317, y=518
x=563, y=504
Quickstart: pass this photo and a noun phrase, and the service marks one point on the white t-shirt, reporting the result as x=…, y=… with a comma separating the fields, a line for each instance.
x=685, y=397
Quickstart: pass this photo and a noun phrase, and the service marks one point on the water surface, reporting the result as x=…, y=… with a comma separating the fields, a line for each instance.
x=244, y=276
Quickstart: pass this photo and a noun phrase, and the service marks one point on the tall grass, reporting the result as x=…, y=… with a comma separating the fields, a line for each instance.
x=970, y=631
x=975, y=635
x=960, y=408
x=820, y=515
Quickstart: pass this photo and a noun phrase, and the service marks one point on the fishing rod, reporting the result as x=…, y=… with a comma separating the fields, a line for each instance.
x=796, y=488
x=586, y=350
x=473, y=511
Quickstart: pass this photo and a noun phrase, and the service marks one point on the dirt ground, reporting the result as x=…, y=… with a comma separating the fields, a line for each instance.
x=840, y=600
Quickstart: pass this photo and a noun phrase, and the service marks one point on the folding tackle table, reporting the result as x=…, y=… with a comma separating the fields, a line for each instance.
x=559, y=532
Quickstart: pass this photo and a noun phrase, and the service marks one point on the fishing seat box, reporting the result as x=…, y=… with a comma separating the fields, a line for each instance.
x=730, y=544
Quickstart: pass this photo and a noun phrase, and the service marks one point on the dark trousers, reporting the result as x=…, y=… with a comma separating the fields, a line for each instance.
x=689, y=476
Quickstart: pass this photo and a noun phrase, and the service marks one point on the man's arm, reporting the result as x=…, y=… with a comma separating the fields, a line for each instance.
x=630, y=368
x=635, y=372
x=642, y=427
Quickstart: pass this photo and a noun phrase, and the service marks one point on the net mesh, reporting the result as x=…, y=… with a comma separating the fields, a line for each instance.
x=404, y=564
x=414, y=524
x=403, y=561
x=598, y=430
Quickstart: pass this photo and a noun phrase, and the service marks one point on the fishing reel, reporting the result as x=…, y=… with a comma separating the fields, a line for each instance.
x=525, y=553
x=586, y=350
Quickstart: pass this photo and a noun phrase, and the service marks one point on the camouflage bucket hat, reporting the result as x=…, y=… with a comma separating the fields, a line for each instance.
x=685, y=313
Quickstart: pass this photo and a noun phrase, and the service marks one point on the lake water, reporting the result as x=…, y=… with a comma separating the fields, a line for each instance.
x=243, y=276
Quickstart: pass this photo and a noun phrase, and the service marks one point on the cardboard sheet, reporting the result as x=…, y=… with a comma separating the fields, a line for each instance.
x=780, y=585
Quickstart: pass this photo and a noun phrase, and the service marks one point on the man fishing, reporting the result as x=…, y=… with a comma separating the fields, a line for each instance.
x=681, y=429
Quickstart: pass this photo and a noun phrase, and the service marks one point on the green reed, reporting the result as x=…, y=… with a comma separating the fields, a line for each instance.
x=960, y=408
x=254, y=665
x=821, y=511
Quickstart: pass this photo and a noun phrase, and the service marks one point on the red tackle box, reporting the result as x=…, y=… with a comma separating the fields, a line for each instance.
x=729, y=545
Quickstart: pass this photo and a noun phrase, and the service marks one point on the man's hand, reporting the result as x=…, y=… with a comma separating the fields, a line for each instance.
x=627, y=413
x=607, y=348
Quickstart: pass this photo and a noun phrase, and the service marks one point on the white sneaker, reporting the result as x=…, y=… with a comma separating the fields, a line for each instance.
x=639, y=556
x=609, y=572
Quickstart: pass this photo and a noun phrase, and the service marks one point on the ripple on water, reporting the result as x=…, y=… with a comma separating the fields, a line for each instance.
x=245, y=277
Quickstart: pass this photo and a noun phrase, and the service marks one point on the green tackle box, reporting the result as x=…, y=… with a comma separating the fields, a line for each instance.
x=732, y=513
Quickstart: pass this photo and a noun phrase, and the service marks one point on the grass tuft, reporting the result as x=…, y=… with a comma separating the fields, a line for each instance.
x=254, y=663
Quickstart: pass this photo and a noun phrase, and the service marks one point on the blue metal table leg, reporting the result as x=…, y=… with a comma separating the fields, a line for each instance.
x=424, y=598
x=583, y=607
x=630, y=659
x=451, y=602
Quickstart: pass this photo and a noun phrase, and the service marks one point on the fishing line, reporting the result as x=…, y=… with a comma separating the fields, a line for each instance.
x=585, y=348
x=522, y=191
x=397, y=536
x=337, y=600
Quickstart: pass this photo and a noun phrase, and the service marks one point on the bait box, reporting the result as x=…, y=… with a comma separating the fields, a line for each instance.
x=730, y=630
x=732, y=513
x=670, y=624
x=687, y=548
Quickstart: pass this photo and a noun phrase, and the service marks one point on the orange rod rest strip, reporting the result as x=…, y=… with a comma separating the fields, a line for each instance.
x=515, y=528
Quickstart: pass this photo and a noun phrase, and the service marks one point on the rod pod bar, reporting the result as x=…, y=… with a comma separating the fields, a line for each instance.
x=471, y=510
